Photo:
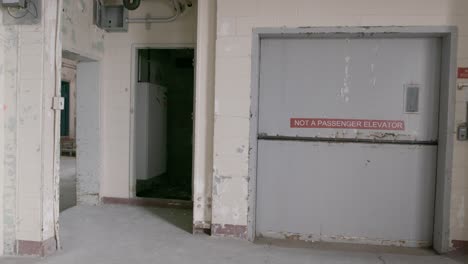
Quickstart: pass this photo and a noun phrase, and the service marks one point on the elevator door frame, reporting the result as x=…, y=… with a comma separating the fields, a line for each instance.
x=448, y=35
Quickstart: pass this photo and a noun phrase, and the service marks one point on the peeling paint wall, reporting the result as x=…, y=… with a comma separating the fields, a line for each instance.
x=117, y=67
x=29, y=81
x=235, y=21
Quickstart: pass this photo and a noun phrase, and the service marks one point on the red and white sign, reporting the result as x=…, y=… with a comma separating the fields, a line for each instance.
x=462, y=73
x=347, y=123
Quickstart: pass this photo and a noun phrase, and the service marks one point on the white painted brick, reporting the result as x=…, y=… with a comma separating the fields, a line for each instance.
x=319, y=21
x=232, y=165
x=463, y=47
x=373, y=7
x=461, y=22
x=457, y=7
x=29, y=219
x=278, y=8
x=232, y=146
x=31, y=66
x=226, y=26
x=403, y=20
x=28, y=38
x=230, y=8
x=229, y=201
x=296, y=13
x=233, y=80
x=460, y=177
x=460, y=159
x=245, y=25
x=233, y=47
x=460, y=111
x=335, y=7
x=231, y=127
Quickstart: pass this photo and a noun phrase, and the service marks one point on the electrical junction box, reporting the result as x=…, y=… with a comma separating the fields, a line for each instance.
x=13, y=3
x=462, y=133
x=112, y=18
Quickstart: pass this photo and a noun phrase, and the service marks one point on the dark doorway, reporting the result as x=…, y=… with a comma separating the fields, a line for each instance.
x=65, y=115
x=164, y=123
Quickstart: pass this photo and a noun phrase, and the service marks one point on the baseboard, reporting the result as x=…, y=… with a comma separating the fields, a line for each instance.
x=236, y=231
x=149, y=202
x=460, y=246
x=202, y=228
x=37, y=248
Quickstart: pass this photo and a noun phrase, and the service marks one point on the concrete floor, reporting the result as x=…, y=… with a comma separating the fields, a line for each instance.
x=67, y=182
x=111, y=234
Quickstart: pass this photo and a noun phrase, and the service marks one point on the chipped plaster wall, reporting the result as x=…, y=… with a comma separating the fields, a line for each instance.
x=235, y=21
x=79, y=34
x=29, y=81
x=116, y=84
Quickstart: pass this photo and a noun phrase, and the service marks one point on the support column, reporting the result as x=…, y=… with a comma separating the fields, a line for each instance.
x=31, y=139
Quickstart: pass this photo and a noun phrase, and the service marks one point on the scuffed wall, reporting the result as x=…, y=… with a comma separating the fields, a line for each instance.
x=79, y=34
x=116, y=86
x=236, y=19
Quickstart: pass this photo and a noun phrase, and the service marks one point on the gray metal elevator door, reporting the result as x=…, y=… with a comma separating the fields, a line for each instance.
x=347, y=139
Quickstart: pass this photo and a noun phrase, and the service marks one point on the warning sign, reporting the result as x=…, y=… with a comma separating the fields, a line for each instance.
x=462, y=73
x=347, y=123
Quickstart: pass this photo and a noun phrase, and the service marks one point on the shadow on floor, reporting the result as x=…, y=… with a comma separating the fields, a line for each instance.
x=459, y=256
x=180, y=218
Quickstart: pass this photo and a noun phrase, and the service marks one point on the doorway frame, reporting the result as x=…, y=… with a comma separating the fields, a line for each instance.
x=133, y=83
x=448, y=35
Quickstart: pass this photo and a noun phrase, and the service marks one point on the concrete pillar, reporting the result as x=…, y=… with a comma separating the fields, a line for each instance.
x=30, y=190
x=204, y=113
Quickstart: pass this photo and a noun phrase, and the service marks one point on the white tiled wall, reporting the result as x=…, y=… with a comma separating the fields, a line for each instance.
x=236, y=19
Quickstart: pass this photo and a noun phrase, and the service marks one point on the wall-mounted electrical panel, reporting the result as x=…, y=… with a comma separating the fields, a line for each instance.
x=21, y=12
x=462, y=133
x=112, y=18
x=13, y=3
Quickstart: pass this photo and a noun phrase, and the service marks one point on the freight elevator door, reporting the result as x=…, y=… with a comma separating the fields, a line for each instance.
x=347, y=140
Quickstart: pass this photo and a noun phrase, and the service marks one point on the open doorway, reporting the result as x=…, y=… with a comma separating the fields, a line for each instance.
x=164, y=123
x=80, y=163
x=68, y=136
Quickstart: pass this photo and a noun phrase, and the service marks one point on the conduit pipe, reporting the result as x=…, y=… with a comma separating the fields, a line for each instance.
x=131, y=5
x=159, y=19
